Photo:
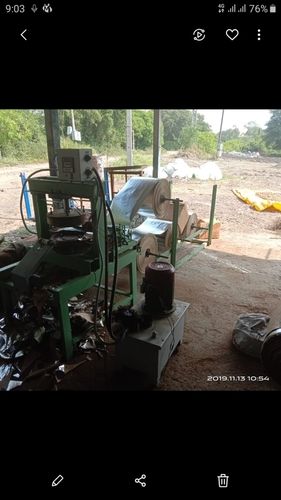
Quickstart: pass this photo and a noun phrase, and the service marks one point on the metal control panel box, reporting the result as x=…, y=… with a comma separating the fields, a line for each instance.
x=75, y=164
x=148, y=351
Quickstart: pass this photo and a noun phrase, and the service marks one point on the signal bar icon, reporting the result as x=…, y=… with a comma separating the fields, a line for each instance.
x=232, y=9
x=243, y=8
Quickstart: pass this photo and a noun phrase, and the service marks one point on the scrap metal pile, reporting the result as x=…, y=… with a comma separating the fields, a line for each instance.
x=30, y=341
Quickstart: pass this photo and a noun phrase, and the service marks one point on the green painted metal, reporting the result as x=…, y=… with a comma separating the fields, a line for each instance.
x=88, y=265
x=62, y=294
x=126, y=259
x=212, y=214
x=190, y=255
x=193, y=239
x=52, y=136
x=176, y=204
x=54, y=186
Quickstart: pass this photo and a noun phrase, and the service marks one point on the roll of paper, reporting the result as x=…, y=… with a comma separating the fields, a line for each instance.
x=168, y=236
x=147, y=242
x=192, y=220
x=140, y=194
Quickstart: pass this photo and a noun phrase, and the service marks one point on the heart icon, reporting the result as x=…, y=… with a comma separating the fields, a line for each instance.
x=232, y=34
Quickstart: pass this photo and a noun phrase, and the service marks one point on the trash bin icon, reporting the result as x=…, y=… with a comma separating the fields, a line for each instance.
x=223, y=481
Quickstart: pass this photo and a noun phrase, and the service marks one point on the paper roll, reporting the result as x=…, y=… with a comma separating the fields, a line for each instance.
x=143, y=194
x=192, y=220
x=147, y=242
x=168, y=236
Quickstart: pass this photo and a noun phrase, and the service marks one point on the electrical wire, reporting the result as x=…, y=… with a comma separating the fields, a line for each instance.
x=100, y=277
x=21, y=196
x=102, y=197
x=108, y=309
x=115, y=269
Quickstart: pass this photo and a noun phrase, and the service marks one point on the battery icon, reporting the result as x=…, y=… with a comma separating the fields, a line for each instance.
x=272, y=8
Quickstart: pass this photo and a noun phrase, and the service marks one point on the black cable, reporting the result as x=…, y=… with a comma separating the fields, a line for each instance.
x=108, y=310
x=21, y=196
x=115, y=270
x=100, y=278
x=102, y=197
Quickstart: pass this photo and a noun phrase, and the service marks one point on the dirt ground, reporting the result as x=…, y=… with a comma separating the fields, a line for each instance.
x=239, y=273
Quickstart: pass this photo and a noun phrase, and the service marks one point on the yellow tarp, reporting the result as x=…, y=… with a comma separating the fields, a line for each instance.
x=256, y=201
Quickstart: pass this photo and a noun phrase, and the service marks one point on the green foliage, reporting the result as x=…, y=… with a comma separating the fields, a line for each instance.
x=22, y=134
x=273, y=130
x=102, y=129
x=245, y=144
x=174, y=121
x=253, y=130
x=234, y=145
x=201, y=125
x=143, y=128
x=143, y=158
x=229, y=134
x=67, y=143
x=188, y=137
x=180, y=127
x=207, y=142
x=252, y=140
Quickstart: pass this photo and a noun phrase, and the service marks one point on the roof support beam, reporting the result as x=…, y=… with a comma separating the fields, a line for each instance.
x=53, y=136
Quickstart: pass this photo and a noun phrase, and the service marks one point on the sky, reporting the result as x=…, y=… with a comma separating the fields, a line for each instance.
x=235, y=117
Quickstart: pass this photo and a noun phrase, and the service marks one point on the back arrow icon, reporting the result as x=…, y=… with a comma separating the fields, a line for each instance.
x=22, y=34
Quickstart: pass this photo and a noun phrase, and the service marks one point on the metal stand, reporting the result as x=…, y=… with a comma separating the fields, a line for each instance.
x=88, y=266
x=194, y=239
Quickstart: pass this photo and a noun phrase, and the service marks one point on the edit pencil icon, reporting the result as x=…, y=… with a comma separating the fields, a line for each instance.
x=57, y=480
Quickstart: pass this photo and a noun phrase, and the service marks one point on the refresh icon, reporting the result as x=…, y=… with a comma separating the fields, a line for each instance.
x=199, y=34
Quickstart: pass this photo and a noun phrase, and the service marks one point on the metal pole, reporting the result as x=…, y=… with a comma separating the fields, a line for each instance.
x=26, y=195
x=156, y=141
x=72, y=122
x=53, y=136
x=212, y=214
x=129, y=119
x=176, y=207
x=219, y=138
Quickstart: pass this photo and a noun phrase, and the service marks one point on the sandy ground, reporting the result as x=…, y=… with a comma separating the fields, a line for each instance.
x=239, y=273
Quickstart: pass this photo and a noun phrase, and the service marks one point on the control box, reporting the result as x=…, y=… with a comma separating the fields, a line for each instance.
x=75, y=164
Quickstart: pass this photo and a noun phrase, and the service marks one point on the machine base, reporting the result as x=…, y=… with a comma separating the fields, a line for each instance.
x=148, y=351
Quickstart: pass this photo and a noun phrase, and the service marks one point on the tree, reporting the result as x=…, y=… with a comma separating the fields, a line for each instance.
x=174, y=121
x=188, y=137
x=230, y=134
x=273, y=130
x=143, y=128
x=206, y=141
x=253, y=130
x=99, y=128
x=201, y=125
x=19, y=129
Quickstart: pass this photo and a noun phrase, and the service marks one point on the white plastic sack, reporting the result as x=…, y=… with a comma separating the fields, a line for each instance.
x=249, y=333
x=210, y=170
x=148, y=171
